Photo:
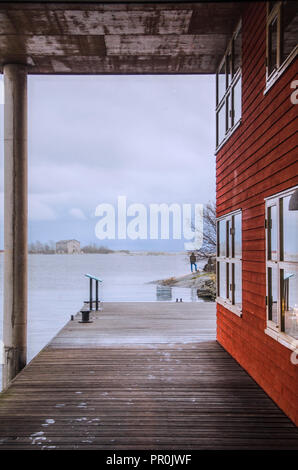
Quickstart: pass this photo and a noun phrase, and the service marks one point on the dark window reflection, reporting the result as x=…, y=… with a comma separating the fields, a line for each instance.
x=289, y=28
x=221, y=82
x=272, y=56
x=272, y=294
x=237, y=45
x=272, y=233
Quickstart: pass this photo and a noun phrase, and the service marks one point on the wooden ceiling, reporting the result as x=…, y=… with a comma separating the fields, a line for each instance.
x=116, y=38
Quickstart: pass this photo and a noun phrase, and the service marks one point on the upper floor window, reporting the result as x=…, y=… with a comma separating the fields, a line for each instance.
x=282, y=264
x=282, y=37
x=229, y=260
x=228, y=89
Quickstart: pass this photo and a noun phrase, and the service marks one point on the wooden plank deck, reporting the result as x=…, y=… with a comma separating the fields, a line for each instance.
x=141, y=376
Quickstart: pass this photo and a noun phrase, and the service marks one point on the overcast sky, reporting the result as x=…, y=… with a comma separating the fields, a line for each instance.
x=92, y=139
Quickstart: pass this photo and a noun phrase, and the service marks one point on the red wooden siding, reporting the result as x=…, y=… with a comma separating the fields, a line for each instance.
x=259, y=160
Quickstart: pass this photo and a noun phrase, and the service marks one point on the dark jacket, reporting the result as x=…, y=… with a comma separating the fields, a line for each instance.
x=192, y=258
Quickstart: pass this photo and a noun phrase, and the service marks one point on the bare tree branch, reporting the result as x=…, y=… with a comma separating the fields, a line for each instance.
x=209, y=232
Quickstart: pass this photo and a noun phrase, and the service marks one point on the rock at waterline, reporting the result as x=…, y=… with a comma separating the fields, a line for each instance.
x=205, y=283
x=208, y=289
x=210, y=266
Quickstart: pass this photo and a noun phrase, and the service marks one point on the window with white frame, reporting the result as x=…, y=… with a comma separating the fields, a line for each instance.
x=229, y=260
x=282, y=36
x=282, y=264
x=228, y=89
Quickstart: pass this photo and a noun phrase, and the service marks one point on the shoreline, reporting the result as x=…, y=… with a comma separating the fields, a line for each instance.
x=116, y=252
x=204, y=282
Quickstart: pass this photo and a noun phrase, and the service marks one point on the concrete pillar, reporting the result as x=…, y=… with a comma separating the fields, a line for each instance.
x=15, y=221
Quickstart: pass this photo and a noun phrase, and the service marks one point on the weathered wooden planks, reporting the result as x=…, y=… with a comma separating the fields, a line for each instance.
x=100, y=38
x=127, y=391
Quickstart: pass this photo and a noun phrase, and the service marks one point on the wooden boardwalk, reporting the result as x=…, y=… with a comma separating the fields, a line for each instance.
x=141, y=376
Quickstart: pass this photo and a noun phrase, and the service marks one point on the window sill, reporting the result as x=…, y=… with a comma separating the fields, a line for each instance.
x=229, y=134
x=283, y=339
x=278, y=73
x=233, y=308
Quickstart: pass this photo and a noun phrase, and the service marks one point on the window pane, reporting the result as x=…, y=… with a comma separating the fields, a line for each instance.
x=237, y=100
x=221, y=124
x=238, y=284
x=271, y=5
x=289, y=28
x=229, y=112
x=237, y=236
x=230, y=281
x=221, y=82
x=229, y=252
x=289, y=302
x=272, y=233
x=272, y=294
x=228, y=68
x=222, y=237
x=231, y=238
x=272, y=46
x=290, y=232
x=222, y=279
x=237, y=46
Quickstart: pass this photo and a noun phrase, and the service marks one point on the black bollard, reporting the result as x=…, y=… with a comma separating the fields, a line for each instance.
x=85, y=316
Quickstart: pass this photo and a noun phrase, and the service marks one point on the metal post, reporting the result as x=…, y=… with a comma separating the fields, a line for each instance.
x=15, y=221
x=96, y=302
x=90, y=296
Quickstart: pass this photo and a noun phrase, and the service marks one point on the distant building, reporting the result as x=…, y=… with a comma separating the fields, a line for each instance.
x=68, y=246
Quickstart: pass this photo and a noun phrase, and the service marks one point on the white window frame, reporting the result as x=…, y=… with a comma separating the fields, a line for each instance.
x=231, y=260
x=275, y=330
x=271, y=78
x=229, y=92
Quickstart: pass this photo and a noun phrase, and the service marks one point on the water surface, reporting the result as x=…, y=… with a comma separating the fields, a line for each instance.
x=57, y=286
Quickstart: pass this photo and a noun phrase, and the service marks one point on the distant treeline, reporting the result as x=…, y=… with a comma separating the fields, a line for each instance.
x=93, y=248
x=49, y=248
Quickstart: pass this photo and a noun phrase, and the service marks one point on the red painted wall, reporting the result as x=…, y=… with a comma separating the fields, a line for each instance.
x=259, y=160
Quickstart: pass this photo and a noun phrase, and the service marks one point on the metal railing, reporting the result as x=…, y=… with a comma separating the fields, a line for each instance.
x=97, y=281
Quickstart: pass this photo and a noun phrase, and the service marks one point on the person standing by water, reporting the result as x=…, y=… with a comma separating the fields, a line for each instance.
x=193, y=262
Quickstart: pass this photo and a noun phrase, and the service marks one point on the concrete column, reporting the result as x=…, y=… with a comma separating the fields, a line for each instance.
x=15, y=221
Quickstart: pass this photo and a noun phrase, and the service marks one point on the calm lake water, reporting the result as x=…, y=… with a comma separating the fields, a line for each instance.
x=57, y=286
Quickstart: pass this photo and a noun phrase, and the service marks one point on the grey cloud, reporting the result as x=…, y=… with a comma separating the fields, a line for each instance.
x=94, y=138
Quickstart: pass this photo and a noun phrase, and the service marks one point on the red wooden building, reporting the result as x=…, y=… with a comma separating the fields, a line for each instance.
x=256, y=154
x=256, y=171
